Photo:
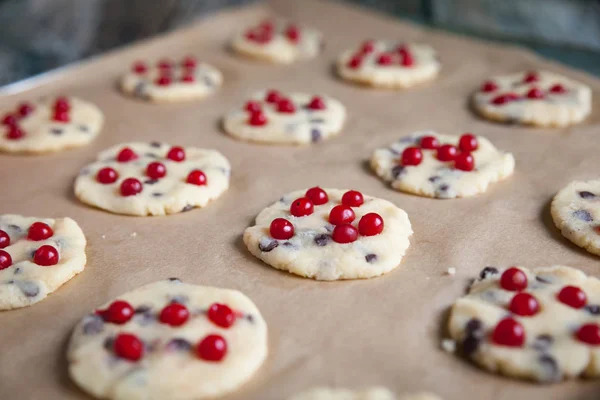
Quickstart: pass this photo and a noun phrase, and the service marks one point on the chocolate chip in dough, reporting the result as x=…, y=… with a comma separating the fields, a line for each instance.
x=321, y=240
x=57, y=131
x=397, y=171
x=583, y=215
x=371, y=258
x=155, y=144
x=488, y=271
x=150, y=181
x=83, y=128
x=175, y=280
x=187, y=208
x=269, y=246
x=542, y=342
x=93, y=325
x=29, y=289
x=178, y=344
x=586, y=195
x=550, y=367
x=315, y=135
x=593, y=309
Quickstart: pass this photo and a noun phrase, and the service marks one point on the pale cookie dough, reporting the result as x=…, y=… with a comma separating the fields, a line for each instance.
x=286, y=118
x=114, y=181
x=441, y=179
x=168, y=81
x=157, y=342
x=537, y=98
x=314, y=250
x=49, y=125
x=543, y=328
x=388, y=64
x=40, y=259
x=374, y=393
x=278, y=42
x=576, y=212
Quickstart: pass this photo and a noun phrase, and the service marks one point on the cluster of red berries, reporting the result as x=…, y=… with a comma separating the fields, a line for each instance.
x=463, y=159
x=11, y=121
x=281, y=103
x=401, y=56
x=45, y=255
x=165, y=68
x=154, y=170
x=263, y=33
x=130, y=347
x=534, y=93
x=341, y=216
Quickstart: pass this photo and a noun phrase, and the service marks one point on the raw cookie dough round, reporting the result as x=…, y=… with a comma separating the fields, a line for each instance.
x=374, y=393
x=168, y=82
x=192, y=178
x=286, y=118
x=168, y=340
x=49, y=125
x=540, y=324
x=41, y=259
x=278, y=42
x=324, y=250
x=537, y=98
x=387, y=64
x=576, y=212
x=441, y=179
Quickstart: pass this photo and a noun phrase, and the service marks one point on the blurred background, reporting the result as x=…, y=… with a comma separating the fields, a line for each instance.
x=39, y=35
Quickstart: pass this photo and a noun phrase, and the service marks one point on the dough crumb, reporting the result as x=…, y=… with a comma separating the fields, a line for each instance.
x=451, y=271
x=103, y=236
x=134, y=234
x=449, y=345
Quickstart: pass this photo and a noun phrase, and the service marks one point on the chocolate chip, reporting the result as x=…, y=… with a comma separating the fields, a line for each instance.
x=434, y=178
x=542, y=342
x=269, y=246
x=321, y=240
x=179, y=299
x=586, y=195
x=150, y=155
x=93, y=325
x=15, y=228
x=142, y=309
x=144, y=318
x=371, y=257
x=208, y=81
x=474, y=327
x=155, y=144
x=83, y=128
x=487, y=271
x=408, y=139
x=583, y=215
x=57, y=131
x=150, y=181
x=550, y=366
x=17, y=271
x=315, y=135
x=443, y=188
x=174, y=279
x=157, y=194
x=29, y=288
x=178, y=344
x=108, y=343
x=470, y=345
x=316, y=120
x=397, y=171
x=542, y=280
x=84, y=171
x=474, y=334
x=329, y=227
x=593, y=309
x=250, y=318
x=187, y=208
x=140, y=90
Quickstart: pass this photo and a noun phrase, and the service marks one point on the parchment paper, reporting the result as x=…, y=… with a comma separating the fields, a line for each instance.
x=385, y=330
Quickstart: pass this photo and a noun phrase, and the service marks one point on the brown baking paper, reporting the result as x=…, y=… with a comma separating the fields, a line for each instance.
x=385, y=330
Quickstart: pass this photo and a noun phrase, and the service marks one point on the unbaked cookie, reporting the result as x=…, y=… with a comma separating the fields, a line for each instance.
x=540, y=324
x=49, y=125
x=374, y=393
x=37, y=256
x=168, y=340
x=576, y=212
x=278, y=42
x=442, y=166
x=330, y=234
x=168, y=81
x=286, y=118
x=387, y=64
x=153, y=179
x=537, y=98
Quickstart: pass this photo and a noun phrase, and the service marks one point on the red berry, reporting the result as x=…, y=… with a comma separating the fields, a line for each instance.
x=273, y=96
x=504, y=98
x=293, y=33
x=118, y=312
x=174, y=314
x=39, y=231
x=4, y=239
x=370, y=224
x=126, y=155
x=411, y=156
x=558, y=88
x=429, y=142
x=385, y=59
x=176, y=153
x=46, y=256
x=353, y=198
x=164, y=64
x=524, y=304
x=156, y=170
x=221, y=315
x=212, y=348
x=488, y=86
x=344, y=233
x=535, y=94
x=266, y=25
x=286, y=106
x=188, y=77
x=407, y=59
x=317, y=195
x=131, y=187
x=25, y=109
x=589, y=333
x=316, y=103
x=513, y=279
x=107, y=175
x=341, y=214
x=572, y=296
x=281, y=229
x=531, y=77
x=464, y=162
x=139, y=67
x=368, y=47
x=61, y=116
x=446, y=152
x=5, y=260
x=253, y=106
x=468, y=143
x=128, y=346
x=257, y=118
x=62, y=104
x=15, y=133
x=354, y=62
x=163, y=80
x=301, y=207
x=196, y=177
x=509, y=332
x=189, y=62
x=9, y=120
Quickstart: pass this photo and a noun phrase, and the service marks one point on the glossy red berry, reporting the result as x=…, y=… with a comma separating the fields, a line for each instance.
x=354, y=62
x=524, y=304
x=163, y=80
x=15, y=133
x=281, y=229
x=221, y=315
x=107, y=176
x=273, y=96
x=188, y=77
x=558, y=89
x=509, y=332
x=4, y=239
x=368, y=46
x=370, y=224
x=341, y=214
x=174, y=314
x=46, y=256
x=513, y=279
x=118, y=312
x=589, y=334
x=411, y=156
x=531, y=77
x=464, y=162
x=189, y=62
x=257, y=118
x=156, y=170
x=62, y=104
x=9, y=120
x=429, y=142
x=293, y=33
x=128, y=346
x=316, y=103
x=353, y=198
x=176, y=154
x=25, y=109
x=253, y=106
x=286, y=106
x=61, y=116
x=317, y=195
x=165, y=64
x=504, y=98
x=196, y=177
x=212, y=348
x=446, y=152
x=139, y=67
x=301, y=207
x=344, y=233
x=572, y=296
x=488, y=86
x=39, y=231
x=5, y=260
x=468, y=143
x=535, y=94
x=406, y=59
x=126, y=155
x=131, y=187
x=385, y=59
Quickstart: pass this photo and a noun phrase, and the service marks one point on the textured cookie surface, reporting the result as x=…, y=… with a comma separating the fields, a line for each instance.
x=388, y=64
x=153, y=179
x=168, y=81
x=43, y=254
x=327, y=244
x=286, y=118
x=540, y=324
x=168, y=340
x=537, y=98
x=374, y=393
x=278, y=42
x=49, y=125
x=576, y=212
x=432, y=177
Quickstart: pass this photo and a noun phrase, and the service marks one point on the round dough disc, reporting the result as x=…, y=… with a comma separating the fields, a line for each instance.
x=373, y=393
